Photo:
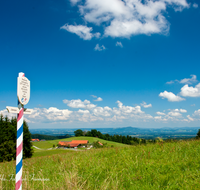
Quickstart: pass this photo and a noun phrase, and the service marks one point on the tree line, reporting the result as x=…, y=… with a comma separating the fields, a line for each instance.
x=125, y=139
x=116, y=138
x=8, y=135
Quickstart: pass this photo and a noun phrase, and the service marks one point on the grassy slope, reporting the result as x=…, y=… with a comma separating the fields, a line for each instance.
x=49, y=144
x=38, y=153
x=154, y=166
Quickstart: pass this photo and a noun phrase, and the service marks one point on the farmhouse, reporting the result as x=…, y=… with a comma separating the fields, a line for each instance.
x=73, y=143
x=100, y=143
x=35, y=140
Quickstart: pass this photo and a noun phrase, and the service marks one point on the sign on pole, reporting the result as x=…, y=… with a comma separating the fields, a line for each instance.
x=23, y=94
x=16, y=110
x=23, y=90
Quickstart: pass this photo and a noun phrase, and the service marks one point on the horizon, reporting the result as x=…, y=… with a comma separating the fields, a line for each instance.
x=103, y=64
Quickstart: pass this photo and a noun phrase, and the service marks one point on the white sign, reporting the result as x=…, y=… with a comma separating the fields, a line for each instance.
x=23, y=90
x=16, y=110
x=12, y=109
x=28, y=111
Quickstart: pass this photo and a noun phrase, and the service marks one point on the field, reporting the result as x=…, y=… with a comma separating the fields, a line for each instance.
x=174, y=165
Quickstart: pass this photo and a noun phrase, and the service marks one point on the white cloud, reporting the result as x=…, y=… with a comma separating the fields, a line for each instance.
x=183, y=110
x=83, y=111
x=197, y=113
x=99, y=99
x=190, y=91
x=129, y=17
x=192, y=105
x=160, y=113
x=91, y=113
x=82, y=31
x=99, y=48
x=170, y=82
x=55, y=114
x=100, y=111
x=171, y=96
x=195, y=5
x=74, y=2
x=190, y=118
x=191, y=80
x=144, y=104
x=79, y=104
x=94, y=96
x=119, y=44
x=174, y=114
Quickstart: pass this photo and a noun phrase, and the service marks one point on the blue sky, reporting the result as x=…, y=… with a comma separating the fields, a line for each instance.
x=103, y=63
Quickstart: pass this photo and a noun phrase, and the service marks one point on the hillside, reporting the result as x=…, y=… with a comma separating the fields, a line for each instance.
x=154, y=166
x=49, y=144
x=45, y=146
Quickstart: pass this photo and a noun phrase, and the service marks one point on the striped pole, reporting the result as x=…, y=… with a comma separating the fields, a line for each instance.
x=19, y=145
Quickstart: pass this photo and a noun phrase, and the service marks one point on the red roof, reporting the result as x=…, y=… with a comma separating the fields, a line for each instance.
x=73, y=143
x=35, y=140
x=80, y=141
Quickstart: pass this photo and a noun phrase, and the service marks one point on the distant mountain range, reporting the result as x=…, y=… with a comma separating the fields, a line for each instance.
x=147, y=133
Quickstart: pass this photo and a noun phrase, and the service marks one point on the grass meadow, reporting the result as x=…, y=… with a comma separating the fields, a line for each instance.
x=172, y=165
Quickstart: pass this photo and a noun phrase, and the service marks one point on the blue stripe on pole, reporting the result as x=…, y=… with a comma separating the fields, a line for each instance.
x=19, y=131
x=19, y=166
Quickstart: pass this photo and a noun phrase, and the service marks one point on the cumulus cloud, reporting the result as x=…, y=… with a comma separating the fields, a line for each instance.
x=189, y=91
x=99, y=99
x=172, y=115
x=99, y=48
x=79, y=104
x=183, y=110
x=124, y=18
x=119, y=44
x=195, y=5
x=191, y=80
x=82, y=31
x=145, y=105
x=88, y=112
x=171, y=97
x=83, y=111
x=190, y=118
x=160, y=113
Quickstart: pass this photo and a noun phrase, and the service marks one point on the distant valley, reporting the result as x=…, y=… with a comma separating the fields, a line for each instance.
x=146, y=133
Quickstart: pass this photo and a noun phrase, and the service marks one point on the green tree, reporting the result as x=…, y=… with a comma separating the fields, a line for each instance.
x=198, y=134
x=88, y=134
x=94, y=133
x=27, y=145
x=8, y=135
x=78, y=132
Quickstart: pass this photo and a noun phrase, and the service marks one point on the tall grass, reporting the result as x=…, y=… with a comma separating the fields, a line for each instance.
x=174, y=165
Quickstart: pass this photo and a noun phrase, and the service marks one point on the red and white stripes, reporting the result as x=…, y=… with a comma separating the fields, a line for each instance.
x=19, y=145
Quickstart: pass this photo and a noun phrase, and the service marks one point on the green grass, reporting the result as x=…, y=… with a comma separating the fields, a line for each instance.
x=174, y=165
x=38, y=153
